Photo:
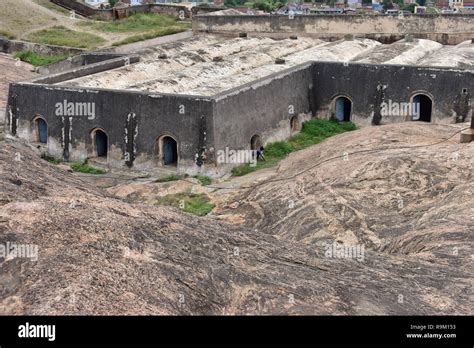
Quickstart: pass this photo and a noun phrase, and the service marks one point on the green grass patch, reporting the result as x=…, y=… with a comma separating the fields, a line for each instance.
x=168, y=178
x=194, y=203
x=61, y=36
x=84, y=167
x=151, y=35
x=7, y=34
x=39, y=59
x=48, y=4
x=205, y=180
x=50, y=159
x=312, y=132
x=136, y=23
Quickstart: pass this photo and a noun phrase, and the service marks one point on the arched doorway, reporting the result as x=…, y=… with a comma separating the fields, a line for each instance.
x=168, y=150
x=295, y=124
x=41, y=130
x=422, y=106
x=343, y=109
x=100, y=142
x=255, y=142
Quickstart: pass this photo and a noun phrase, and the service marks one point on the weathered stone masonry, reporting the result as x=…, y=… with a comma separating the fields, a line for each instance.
x=120, y=114
x=446, y=29
x=135, y=121
x=368, y=85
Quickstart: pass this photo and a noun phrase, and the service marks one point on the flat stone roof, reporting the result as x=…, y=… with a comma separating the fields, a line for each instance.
x=206, y=65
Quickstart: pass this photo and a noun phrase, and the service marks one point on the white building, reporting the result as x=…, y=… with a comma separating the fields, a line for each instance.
x=96, y=2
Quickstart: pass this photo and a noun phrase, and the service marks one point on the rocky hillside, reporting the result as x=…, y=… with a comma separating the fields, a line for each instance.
x=99, y=254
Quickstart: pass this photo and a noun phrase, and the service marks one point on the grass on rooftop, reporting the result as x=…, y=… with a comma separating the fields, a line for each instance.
x=141, y=22
x=52, y=6
x=150, y=35
x=39, y=59
x=7, y=34
x=61, y=36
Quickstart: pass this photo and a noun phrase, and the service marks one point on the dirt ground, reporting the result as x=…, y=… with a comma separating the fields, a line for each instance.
x=16, y=17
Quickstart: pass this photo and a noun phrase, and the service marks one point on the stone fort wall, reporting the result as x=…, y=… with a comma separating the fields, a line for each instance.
x=370, y=85
x=446, y=29
x=134, y=121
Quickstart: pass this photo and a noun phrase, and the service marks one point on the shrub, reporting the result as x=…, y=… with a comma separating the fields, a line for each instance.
x=205, y=180
x=194, y=203
x=39, y=59
x=168, y=178
x=263, y=5
x=50, y=159
x=84, y=167
x=278, y=149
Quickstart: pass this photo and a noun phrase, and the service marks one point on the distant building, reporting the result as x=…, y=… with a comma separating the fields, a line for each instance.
x=442, y=3
x=138, y=2
x=96, y=2
x=196, y=2
x=420, y=9
x=469, y=4
x=375, y=5
x=456, y=3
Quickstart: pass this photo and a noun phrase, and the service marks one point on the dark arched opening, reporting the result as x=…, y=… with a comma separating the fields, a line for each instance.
x=295, y=124
x=343, y=109
x=42, y=130
x=255, y=142
x=422, y=108
x=169, y=148
x=101, y=143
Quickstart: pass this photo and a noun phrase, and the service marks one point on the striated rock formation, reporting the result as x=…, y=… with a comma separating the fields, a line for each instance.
x=408, y=210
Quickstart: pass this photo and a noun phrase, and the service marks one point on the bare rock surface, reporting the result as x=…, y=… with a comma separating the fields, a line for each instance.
x=100, y=254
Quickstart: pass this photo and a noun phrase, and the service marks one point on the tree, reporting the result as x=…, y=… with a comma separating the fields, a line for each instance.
x=112, y=2
x=263, y=5
x=387, y=4
x=409, y=7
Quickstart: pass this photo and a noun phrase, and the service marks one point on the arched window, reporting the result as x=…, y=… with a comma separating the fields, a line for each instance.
x=343, y=109
x=255, y=142
x=100, y=143
x=295, y=124
x=422, y=106
x=41, y=130
x=168, y=150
